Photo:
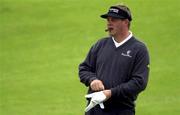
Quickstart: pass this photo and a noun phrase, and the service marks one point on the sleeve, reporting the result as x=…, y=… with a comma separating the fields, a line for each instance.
x=87, y=69
x=139, y=77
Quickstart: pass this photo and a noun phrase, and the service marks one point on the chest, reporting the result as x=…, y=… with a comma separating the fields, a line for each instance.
x=121, y=57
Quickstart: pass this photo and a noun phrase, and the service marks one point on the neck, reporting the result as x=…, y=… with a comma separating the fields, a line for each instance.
x=121, y=36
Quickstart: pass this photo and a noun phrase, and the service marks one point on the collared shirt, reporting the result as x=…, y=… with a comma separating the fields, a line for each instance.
x=125, y=40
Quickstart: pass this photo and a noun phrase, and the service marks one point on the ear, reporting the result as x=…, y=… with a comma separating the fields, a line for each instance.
x=126, y=21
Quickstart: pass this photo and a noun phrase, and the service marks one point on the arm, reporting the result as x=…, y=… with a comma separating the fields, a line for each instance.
x=139, y=78
x=87, y=69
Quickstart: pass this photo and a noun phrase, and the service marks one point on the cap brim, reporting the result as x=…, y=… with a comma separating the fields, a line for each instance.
x=112, y=15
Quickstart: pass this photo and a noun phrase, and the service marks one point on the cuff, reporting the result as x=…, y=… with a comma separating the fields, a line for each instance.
x=93, y=78
x=113, y=92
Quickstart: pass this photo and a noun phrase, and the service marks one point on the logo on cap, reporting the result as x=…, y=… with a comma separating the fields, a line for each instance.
x=113, y=10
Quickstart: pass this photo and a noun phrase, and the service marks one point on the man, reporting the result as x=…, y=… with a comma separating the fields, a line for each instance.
x=116, y=67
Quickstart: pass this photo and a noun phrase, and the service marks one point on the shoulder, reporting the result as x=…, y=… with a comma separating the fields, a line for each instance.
x=139, y=45
x=140, y=48
x=100, y=43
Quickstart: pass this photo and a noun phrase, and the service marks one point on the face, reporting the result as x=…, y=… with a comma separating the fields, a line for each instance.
x=116, y=26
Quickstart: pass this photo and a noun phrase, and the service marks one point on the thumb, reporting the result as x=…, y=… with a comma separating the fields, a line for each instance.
x=101, y=105
x=102, y=87
x=90, y=106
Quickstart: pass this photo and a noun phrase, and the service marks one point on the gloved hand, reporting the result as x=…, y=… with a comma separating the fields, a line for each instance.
x=96, y=98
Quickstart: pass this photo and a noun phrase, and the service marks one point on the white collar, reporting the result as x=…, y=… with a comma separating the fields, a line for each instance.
x=125, y=40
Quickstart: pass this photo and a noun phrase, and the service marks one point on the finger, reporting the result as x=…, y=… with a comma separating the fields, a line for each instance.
x=89, y=95
x=101, y=86
x=101, y=105
x=90, y=106
x=93, y=87
x=96, y=86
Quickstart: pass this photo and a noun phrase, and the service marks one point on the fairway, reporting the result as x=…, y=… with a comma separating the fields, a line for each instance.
x=42, y=42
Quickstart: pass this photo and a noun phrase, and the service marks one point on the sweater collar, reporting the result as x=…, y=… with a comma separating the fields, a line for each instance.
x=121, y=43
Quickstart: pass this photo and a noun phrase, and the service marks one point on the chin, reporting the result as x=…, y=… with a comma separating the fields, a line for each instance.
x=111, y=34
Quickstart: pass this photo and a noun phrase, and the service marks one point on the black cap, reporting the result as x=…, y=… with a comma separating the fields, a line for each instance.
x=118, y=11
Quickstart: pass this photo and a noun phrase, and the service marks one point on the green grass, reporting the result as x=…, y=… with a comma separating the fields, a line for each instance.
x=42, y=43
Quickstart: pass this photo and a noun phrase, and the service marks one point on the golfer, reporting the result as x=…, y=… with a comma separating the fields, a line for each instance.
x=116, y=67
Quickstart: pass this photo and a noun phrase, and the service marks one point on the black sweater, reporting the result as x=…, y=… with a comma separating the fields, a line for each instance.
x=124, y=70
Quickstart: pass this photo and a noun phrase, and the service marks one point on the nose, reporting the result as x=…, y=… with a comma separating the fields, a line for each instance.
x=109, y=22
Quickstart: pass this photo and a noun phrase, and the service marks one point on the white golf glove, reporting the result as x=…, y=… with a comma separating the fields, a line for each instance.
x=96, y=98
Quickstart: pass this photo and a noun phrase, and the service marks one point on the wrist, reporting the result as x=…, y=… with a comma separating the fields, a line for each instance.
x=107, y=93
x=92, y=79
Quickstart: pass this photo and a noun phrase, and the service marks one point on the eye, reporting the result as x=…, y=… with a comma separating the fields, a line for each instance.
x=114, y=19
x=111, y=19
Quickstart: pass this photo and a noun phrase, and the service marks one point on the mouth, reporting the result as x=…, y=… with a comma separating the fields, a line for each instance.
x=110, y=29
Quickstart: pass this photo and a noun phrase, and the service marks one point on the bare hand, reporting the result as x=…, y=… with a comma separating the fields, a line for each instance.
x=107, y=93
x=97, y=85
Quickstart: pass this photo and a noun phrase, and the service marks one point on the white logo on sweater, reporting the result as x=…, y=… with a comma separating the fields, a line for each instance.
x=127, y=54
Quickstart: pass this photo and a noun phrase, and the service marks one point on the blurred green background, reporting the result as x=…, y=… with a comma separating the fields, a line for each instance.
x=42, y=43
